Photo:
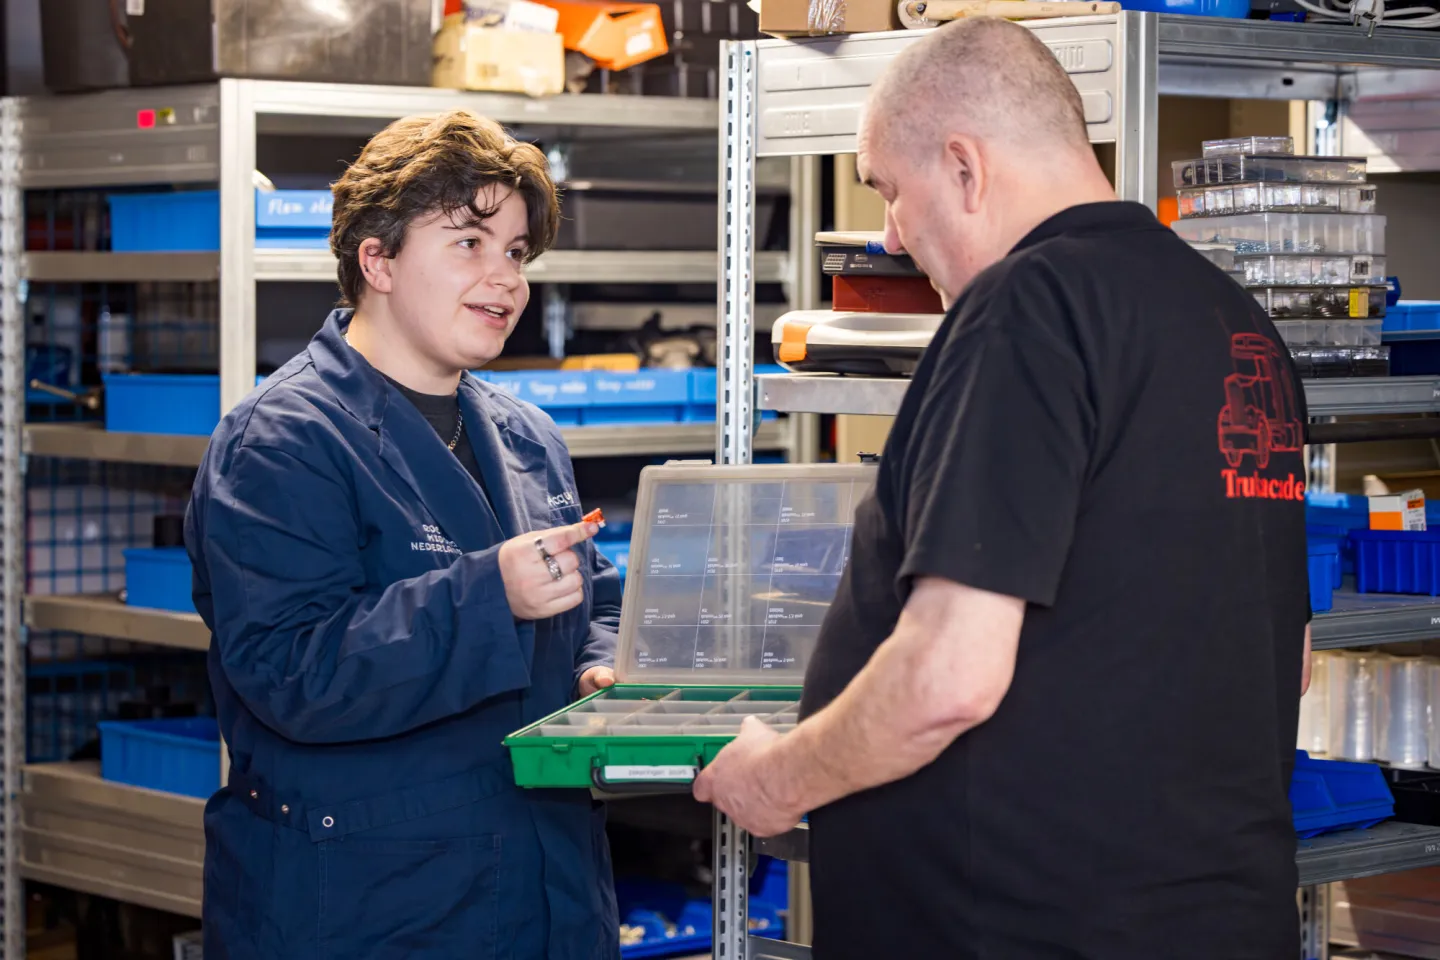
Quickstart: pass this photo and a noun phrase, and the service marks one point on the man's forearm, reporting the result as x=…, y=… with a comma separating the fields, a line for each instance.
x=920, y=691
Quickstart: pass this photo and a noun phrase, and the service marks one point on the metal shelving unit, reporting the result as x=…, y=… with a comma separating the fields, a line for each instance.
x=84, y=833
x=64, y=825
x=89, y=442
x=803, y=97
x=103, y=615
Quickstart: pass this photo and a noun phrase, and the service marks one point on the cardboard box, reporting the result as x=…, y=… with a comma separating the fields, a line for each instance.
x=614, y=35
x=472, y=57
x=1398, y=511
x=813, y=18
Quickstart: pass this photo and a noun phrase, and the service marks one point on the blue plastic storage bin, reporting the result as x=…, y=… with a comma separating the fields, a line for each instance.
x=1397, y=561
x=185, y=221
x=176, y=756
x=1328, y=795
x=1238, y=9
x=655, y=905
x=1413, y=316
x=293, y=219
x=1324, y=565
x=704, y=390
x=560, y=393
x=159, y=578
x=187, y=404
x=639, y=396
x=615, y=550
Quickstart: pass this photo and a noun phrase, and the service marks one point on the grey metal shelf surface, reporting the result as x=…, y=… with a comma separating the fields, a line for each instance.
x=1363, y=620
x=93, y=139
x=828, y=393
x=84, y=833
x=84, y=267
x=103, y=615
x=1363, y=395
x=557, y=266
x=1385, y=848
x=92, y=442
x=662, y=438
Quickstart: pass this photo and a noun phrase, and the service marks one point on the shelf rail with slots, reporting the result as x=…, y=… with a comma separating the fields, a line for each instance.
x=803, y=97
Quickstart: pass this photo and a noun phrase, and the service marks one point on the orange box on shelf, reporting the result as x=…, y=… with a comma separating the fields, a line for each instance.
x=885, y=295
x=614, y=35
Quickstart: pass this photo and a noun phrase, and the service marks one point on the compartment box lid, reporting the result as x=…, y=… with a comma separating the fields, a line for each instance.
x=732, y=570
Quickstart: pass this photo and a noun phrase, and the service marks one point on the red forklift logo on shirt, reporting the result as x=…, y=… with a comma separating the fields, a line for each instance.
x=1260, y=418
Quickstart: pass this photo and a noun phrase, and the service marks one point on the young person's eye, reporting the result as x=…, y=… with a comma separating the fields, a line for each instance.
x=470, y=243
x=517, y=253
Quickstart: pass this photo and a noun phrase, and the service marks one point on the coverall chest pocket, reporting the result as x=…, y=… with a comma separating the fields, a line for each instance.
x=410, y=898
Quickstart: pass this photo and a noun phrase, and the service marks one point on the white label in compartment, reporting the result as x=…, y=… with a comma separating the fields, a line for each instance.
x=615, y=774
x=135, y=8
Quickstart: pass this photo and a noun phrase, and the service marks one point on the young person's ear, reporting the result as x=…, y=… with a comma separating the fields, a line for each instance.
x=375, y=265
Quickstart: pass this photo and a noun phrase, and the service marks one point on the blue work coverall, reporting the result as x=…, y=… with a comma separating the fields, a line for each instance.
x=366, y=665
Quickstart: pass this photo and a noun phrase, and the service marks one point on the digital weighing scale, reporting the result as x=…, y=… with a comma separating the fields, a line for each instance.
x=732, y=570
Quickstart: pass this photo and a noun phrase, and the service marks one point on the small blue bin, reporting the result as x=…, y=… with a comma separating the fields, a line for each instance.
x=560, y=393
x=1324, y=565
x=1337, y=538
x=187, y=404
x=639, y=396
x=293, y=219
x=184, y=221
x=615, y=550
x=1397, y=561
x=180, y=755
x=1238, y=9
x=159, y=578
x=1329, y=795
x=704, y=390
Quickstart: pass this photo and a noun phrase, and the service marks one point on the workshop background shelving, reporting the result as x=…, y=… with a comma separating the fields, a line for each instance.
x=70, y=642
x=803, y=97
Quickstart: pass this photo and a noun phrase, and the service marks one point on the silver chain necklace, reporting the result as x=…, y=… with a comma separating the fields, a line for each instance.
x=459, y=414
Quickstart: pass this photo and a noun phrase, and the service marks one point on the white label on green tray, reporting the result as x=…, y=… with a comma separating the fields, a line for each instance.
x=618, y=773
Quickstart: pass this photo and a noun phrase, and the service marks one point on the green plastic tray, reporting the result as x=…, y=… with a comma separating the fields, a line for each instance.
x=639, y=736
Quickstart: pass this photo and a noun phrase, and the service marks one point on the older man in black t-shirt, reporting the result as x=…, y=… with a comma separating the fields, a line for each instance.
x=1052, y=711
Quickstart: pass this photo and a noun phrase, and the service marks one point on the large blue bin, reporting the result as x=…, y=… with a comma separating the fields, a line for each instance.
x=159, y=578
x=179, y=755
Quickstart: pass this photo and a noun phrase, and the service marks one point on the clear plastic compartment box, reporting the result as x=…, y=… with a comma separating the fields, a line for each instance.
x=1330, y=333
x=1281, y=146
x=1254, y=233
x=1226, y=199
x=1300, y=270
x=731, y=572
x=1304, y=303
x=1243, y=168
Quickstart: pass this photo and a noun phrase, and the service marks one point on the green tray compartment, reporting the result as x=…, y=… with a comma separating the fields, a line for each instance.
x=546, y=755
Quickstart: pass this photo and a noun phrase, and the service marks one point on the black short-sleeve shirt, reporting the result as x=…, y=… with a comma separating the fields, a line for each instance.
x=1108, y=427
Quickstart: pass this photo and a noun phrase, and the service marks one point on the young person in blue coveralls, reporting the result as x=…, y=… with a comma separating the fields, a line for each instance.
x=391, y=558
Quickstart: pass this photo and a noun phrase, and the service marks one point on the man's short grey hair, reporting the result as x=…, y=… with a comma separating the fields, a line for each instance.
x=983, y=77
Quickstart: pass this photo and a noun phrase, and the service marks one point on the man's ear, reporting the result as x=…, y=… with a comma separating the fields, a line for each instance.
x=375, y=264
x=965, y=164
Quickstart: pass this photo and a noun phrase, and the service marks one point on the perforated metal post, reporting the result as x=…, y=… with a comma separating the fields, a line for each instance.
x=12, y=520
x=1315, y=922
x=735, y=410
x=735, y=397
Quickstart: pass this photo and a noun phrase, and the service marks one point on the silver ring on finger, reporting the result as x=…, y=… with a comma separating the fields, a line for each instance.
x=553, y=566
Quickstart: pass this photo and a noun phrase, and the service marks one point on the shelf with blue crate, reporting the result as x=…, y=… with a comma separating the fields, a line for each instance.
x=1357, y=602
x=175, y=236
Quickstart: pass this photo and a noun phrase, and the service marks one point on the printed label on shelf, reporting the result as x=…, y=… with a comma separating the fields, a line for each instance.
x=635, y=772
x=135, y=8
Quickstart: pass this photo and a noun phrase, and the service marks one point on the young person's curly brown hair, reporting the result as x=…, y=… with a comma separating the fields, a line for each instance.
x=426, y=166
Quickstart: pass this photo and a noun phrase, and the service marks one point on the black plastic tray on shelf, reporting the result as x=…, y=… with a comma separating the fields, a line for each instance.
x=1317, y=363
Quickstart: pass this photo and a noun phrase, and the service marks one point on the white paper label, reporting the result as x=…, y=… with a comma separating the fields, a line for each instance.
x=619, y=773
x=135, y=8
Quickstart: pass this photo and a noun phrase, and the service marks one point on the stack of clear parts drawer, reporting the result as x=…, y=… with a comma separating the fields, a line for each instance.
x=1305, y=239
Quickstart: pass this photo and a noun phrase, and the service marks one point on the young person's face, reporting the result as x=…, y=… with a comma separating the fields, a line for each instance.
x=456, y=290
